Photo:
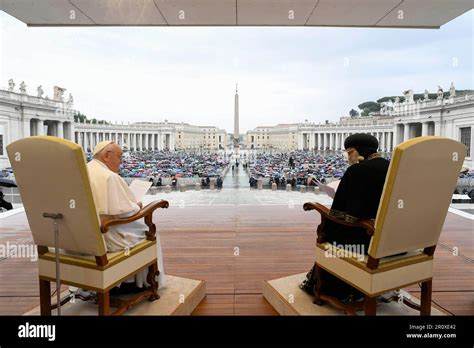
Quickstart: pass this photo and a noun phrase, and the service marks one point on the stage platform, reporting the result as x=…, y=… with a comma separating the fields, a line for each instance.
x=236, y=239
x=180, y=296
x=288, y=299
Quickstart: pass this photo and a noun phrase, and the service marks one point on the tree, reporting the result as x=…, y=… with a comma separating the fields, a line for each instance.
x=78, y=117
x=385, y=99
x=369, y=107
x=353, y=113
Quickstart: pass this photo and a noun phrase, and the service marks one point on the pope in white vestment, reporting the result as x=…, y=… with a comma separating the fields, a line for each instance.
x=114, y=199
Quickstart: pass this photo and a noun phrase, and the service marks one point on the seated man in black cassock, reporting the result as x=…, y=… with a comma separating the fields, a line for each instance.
x=357, y=197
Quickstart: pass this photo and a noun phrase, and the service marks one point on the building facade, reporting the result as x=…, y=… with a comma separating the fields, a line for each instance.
x=156, y=136
x=451, y=116
x=23, y=115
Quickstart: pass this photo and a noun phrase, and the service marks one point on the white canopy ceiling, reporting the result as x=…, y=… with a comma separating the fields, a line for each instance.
x=347, y=13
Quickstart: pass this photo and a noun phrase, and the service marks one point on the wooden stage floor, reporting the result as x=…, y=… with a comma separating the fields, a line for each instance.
x=235, y=248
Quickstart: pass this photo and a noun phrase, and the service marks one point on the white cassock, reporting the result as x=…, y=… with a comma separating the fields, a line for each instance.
x=112, y=196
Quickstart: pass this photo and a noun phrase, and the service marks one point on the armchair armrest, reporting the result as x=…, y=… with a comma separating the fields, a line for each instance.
x=146, y=212
x=368, y=225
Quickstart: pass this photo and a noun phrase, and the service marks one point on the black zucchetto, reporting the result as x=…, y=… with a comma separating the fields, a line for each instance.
x=365, y=144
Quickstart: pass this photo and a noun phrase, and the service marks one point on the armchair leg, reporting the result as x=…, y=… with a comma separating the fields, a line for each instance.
x=425, y=302
x=103, y=299
x=370, y=305
x=45, y=297
x=151, y=279
x=318, y=274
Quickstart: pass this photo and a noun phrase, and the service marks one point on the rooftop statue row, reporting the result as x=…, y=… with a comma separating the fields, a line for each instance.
x=397, y=105
x=58, y=92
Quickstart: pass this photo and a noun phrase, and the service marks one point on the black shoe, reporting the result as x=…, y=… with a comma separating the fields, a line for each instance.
x=126, y=289
x=307, y=287
x=351, y=298
x=114, y=291
x=130, y=288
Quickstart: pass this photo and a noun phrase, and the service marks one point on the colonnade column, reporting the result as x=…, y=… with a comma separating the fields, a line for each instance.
x=424, y=129
x=406, y=132
x=86, y=142
x=40, y=127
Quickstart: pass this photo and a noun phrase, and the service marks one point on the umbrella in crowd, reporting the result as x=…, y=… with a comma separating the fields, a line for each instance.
x=297, y=167
x=165, y=164
x=7, y=183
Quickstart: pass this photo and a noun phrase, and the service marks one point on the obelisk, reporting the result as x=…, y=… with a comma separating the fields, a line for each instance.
x=236, y=120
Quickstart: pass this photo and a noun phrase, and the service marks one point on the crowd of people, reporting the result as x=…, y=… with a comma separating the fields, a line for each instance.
x=158, y=165
x=465, y=183
x=296, y=168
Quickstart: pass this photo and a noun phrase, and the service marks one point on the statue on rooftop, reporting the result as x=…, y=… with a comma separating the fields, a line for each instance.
x=427, y=95
x=440, y=93
x=40, y=91
x=11, y=85
x=58, y=93
x=23, y=87
x=70, y=101
x=452, y=91
x=409, y=97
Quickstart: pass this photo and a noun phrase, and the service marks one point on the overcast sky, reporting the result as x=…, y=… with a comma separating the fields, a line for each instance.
x=188, y=74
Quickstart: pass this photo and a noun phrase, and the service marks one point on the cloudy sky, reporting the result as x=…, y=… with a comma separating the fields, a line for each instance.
x=188, y=74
